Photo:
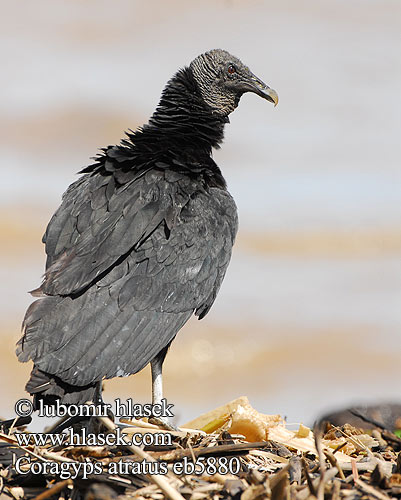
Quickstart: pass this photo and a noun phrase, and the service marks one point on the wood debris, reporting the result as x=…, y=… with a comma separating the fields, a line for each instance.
x=221, y=460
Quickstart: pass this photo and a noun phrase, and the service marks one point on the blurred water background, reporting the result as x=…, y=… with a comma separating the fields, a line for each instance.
x=309, y=315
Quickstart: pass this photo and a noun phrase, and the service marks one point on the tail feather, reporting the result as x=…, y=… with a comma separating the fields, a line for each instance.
x=48, y=388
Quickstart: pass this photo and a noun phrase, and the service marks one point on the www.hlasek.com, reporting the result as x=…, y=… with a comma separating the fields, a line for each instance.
x=85, y=438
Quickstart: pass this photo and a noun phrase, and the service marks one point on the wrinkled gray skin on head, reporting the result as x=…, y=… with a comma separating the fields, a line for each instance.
x=221, y=87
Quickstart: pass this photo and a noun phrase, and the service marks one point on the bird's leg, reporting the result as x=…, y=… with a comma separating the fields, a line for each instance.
x=94, y=425
x=157, y=390
x=157, y=380
x=90, y=423
x=97, y=398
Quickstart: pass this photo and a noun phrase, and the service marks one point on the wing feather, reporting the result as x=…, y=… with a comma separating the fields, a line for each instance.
x=138, y=280
x=94, y=227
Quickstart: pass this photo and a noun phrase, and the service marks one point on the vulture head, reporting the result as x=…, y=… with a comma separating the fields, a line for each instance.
x=222, y=79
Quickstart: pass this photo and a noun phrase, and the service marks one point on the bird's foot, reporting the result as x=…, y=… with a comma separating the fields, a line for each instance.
x=164, y=423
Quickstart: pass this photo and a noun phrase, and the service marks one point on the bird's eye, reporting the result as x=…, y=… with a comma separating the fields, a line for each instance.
x=231, y=69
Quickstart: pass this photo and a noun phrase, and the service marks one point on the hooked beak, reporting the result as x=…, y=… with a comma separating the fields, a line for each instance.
x=258, y=87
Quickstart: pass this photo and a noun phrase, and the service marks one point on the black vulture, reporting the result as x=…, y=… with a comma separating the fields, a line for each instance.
x=141, y=241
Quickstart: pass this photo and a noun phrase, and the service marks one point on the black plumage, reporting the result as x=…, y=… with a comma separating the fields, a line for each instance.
x=141, y=241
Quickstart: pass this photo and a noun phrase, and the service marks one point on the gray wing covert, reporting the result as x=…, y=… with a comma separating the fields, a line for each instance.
x=98, y=223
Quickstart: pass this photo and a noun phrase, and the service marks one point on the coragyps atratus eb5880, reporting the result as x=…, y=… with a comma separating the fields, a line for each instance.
x=140, y=242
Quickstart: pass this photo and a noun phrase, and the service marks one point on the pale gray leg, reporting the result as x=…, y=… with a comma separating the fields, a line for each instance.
x=157, y=380
x=157, y=391
x=97, y=399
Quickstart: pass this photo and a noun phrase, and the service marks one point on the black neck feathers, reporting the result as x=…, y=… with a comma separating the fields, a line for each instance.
x=182, y=130
x=183, y=118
